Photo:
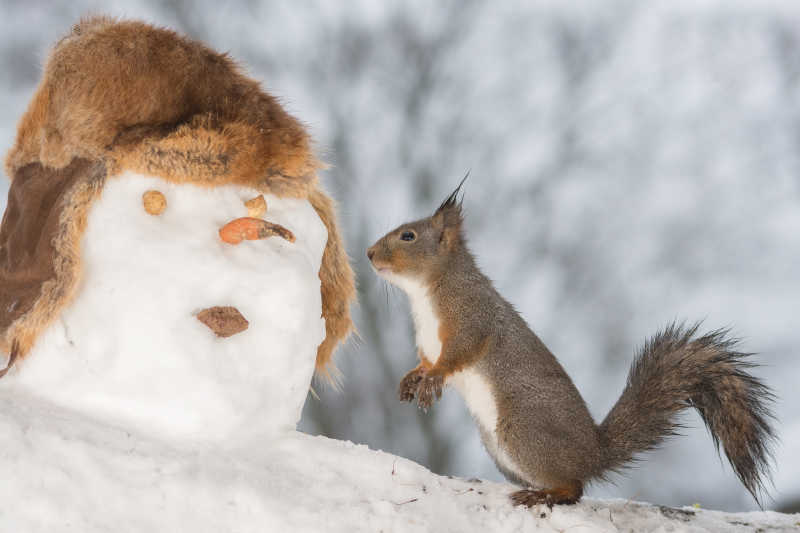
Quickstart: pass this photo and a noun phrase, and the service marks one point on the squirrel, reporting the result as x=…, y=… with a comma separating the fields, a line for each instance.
x=532, y=419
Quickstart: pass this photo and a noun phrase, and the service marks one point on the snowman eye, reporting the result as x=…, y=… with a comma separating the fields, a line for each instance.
x=408, y=236
x=256, y=207
x=154, y=202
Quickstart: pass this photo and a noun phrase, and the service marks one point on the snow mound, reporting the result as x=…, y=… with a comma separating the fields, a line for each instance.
x=64, y=471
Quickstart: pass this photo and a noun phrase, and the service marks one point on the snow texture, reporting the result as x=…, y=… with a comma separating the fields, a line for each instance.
x=70, y=472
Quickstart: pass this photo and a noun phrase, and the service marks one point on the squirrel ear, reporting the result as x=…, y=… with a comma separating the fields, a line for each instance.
x=449, y=236
x=449, y=212
x=448, y=218
x=437, y=220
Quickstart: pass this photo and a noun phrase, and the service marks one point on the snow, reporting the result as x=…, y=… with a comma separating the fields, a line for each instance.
x=129, y=349
x=130, y=415
x=71, y=472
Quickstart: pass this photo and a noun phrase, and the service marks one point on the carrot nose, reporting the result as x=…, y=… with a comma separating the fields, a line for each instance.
x=251, y=229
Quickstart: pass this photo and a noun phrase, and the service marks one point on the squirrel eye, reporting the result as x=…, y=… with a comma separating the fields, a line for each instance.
x=408, y=236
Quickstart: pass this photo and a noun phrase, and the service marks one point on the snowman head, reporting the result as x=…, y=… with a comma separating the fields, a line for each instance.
x=96, y=155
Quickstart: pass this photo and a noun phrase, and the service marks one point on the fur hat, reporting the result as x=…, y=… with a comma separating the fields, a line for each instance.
x=119, y=96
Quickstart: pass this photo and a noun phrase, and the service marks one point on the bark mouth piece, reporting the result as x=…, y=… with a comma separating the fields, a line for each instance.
x=223, y=321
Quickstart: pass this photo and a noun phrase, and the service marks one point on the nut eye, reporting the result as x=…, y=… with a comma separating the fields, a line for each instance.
x=154, y=202
x=256, y=207
x=408, y=236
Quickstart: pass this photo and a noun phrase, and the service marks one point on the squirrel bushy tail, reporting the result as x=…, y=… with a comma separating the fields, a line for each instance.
x=674, y=371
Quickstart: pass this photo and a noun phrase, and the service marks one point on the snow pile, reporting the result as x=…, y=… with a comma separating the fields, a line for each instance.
x=69, y=472
x=130, y=350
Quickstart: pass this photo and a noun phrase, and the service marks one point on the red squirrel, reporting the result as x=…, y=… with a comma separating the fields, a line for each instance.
x=533, y=421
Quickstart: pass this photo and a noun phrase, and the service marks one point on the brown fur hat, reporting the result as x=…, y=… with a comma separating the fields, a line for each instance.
x=125, y=95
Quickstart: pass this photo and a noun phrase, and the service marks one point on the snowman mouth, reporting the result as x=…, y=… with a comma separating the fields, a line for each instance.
x=223, y=321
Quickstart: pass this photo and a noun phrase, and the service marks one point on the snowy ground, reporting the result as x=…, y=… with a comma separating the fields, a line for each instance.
x=63, y=471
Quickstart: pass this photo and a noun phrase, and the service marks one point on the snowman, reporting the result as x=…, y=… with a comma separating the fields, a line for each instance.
x=168, y=261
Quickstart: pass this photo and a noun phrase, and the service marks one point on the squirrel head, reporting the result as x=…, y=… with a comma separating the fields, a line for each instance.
x=419, y=250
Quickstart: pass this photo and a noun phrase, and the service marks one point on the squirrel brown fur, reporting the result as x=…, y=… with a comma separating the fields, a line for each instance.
x=533, y=421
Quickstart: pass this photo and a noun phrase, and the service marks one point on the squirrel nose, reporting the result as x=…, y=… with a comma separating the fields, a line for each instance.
x=370, y=254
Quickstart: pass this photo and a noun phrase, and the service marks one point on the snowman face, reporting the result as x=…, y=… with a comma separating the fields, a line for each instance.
x=139, y=344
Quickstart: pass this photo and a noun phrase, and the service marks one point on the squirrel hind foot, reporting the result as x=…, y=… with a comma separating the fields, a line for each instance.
x=550, y=497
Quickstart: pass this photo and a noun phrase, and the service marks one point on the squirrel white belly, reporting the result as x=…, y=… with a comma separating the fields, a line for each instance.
x=532, y=419
x=426, y=319
x=478, y=394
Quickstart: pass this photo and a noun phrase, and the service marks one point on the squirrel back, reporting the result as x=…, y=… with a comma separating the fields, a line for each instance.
x=532, y=419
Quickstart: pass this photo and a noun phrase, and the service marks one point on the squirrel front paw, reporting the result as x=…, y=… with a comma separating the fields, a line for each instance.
x=430, y=388
x=409, y=385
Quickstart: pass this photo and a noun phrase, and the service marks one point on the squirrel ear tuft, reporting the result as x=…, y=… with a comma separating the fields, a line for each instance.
x=450, y=210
